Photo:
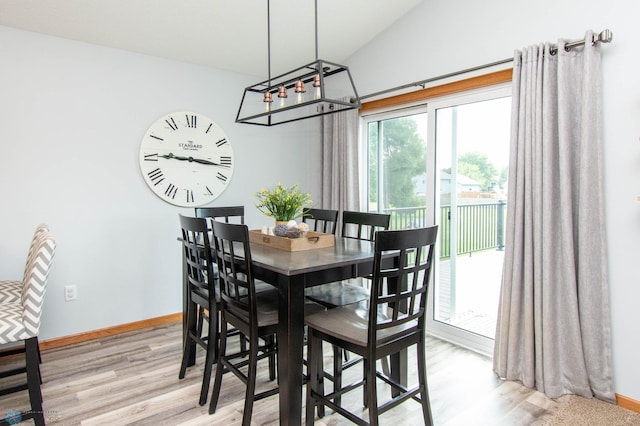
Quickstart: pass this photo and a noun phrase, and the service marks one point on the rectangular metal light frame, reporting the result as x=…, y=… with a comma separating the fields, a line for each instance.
x=336, y=93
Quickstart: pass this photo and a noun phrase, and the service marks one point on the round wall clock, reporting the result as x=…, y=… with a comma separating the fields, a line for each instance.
x=186, y=159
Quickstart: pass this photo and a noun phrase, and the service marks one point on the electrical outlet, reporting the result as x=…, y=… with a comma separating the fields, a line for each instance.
x=70, y=293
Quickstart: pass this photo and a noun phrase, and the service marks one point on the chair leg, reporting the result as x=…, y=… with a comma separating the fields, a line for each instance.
x=271, y=345
x=219, y=368
x=337, y=371
x=188, y=344
x=372, y=393
x=424, y=388
x=251, y=381
x=211, y=356
x=316, y=375
x=33, y=380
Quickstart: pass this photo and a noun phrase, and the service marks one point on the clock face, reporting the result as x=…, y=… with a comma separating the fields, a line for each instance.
x=186, y=159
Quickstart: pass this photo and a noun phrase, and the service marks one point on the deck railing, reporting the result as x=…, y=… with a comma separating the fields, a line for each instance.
x=480, y=226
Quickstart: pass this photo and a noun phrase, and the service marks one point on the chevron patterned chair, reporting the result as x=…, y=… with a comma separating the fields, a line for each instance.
x=11, y=290
x=20, y=325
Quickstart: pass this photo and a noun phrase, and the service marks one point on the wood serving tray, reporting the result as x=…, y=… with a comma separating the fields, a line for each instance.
x=313, y=240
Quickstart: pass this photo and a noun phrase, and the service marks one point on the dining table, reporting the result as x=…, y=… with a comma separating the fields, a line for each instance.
x=291, y=272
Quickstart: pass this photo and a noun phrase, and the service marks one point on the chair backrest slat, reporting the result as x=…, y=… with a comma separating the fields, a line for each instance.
x=237, y=286
x=321, y=220
x=198, y=259
x=401, y=276
x=363, y=225
x=228, y=214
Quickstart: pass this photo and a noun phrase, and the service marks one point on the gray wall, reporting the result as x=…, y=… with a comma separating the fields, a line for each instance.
x=72, y=116
x=442, y=36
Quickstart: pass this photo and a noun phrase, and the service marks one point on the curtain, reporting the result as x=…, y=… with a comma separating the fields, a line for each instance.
x=553, y=331
x=340, y=172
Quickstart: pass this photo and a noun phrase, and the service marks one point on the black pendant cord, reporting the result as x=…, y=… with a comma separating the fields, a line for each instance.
x=269, y=41
x=316, y=15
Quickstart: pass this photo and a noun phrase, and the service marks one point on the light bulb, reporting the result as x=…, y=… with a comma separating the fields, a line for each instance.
x=300, y=90
x=267, y=101
x=282, y=94
x=316, y=84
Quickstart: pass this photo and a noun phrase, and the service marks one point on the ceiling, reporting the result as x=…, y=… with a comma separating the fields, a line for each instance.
x=225, y=34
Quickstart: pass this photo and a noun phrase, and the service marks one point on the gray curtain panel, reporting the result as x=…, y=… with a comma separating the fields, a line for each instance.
x=553, y=330
x=340, y=173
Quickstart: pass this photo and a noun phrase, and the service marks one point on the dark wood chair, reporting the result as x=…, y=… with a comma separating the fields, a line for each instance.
x=254, y=314
x=361, y=226
x=392, y=320
x=229, y=214
x=201, y=304
x=321, y=220
x=356, y=225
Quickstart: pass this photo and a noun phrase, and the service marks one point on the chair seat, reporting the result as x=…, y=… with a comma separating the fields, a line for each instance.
x=350, y=323
x=10, y=291
x=337, y=294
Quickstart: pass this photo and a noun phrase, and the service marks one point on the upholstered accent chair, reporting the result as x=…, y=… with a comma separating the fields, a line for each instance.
x=11, y=290
x=20, y=324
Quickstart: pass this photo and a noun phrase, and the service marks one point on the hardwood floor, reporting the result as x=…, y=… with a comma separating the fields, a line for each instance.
x=132, y=378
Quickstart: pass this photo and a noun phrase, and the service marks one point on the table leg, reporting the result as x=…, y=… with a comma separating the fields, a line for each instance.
x=290, y=342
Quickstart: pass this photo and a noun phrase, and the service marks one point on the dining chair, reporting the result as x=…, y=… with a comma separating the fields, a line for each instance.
x=20, y=326
x=200, y=292
x=355, y=225
x=360, y=226
x=229, y=214
x=321, y=220
x=392, y=320
x=254, y=314
x=11, y=290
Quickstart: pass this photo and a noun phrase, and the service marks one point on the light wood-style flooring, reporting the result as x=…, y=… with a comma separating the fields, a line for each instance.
x=132, y=378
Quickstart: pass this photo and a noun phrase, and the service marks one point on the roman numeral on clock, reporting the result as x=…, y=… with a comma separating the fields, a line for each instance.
x=156, y=176
x=171, y=122
x=171, y=191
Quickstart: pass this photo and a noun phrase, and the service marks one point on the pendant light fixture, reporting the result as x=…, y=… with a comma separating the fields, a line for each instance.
x=319, y=88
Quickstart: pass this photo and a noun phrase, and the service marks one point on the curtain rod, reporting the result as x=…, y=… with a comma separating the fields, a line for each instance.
x=605, y=37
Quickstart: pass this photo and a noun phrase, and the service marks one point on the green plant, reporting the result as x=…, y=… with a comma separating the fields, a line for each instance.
x=282, y=203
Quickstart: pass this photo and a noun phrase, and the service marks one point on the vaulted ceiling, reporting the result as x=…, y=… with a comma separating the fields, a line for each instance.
x=225, y=34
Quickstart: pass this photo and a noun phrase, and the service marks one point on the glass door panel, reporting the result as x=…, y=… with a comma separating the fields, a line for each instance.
x=472, y=152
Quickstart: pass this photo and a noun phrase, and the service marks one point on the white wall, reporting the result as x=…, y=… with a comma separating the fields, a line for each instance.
x=71, y=119
x=443, y=36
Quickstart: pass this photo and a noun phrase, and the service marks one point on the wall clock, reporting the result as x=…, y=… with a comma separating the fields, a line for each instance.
x=186, y=159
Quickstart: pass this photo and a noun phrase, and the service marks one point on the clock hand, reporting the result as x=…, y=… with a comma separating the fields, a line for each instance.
x=191, y=159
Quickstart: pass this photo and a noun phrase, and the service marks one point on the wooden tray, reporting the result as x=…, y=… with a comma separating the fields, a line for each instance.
x=313, y=240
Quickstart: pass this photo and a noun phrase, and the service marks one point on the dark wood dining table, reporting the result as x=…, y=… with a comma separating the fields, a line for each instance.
x=291, y=272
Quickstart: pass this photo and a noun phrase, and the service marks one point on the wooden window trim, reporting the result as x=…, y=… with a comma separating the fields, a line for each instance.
x=484, y=80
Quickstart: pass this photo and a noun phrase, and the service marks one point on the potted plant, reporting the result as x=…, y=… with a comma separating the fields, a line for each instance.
x=282, y=203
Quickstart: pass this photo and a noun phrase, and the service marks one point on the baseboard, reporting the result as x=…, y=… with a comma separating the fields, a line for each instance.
x=628, y=403
x=109, y=331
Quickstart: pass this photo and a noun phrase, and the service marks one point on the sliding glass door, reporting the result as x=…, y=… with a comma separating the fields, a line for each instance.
x=446, y=163
x=469, y=136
